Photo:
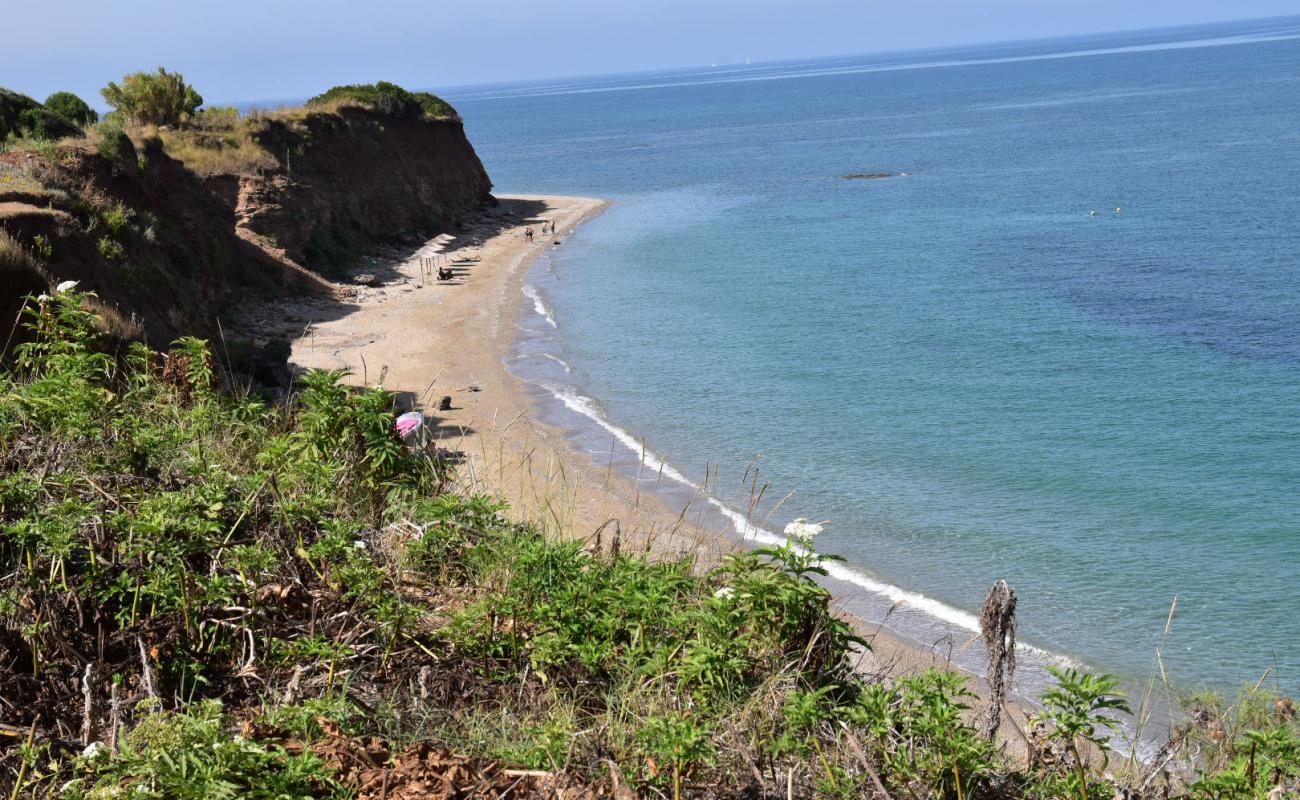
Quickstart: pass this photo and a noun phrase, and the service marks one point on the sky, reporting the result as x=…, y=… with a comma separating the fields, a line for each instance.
x=239, y=51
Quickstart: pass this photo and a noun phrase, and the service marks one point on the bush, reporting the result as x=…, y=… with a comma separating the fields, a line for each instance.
x=190, y=755
x=388, y=98
x=20, y=116
x=153, y=98
x=72, y=108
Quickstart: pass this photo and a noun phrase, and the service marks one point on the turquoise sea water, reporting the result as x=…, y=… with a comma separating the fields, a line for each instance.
x=966, y=372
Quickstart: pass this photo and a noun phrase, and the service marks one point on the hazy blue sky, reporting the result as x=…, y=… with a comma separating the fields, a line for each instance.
x=243, y=50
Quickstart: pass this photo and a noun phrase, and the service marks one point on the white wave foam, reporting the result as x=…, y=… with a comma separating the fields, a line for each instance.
x=929, y=606
x=587, y=407
x=557, y=360
x=540, y=307
x=895, y=594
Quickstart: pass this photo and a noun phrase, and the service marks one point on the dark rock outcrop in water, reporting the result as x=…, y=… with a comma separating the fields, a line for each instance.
x=868, y=176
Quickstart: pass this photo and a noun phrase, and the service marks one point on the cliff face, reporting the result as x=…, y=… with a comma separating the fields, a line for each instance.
x=167, y=251
x=138, y=229
x=353, y=178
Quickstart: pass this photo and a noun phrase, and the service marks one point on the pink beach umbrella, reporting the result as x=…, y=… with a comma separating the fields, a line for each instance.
x=409, y=422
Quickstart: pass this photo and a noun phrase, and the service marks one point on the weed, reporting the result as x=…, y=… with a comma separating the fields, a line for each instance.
x=171, y=756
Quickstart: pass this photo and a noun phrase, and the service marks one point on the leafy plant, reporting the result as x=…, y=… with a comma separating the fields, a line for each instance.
x=110, y=249
x=1079, y=712
x=153, y=98
x=680, y=741
x=190, y=755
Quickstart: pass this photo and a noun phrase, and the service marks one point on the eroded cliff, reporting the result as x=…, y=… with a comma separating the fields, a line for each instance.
x=168, y=246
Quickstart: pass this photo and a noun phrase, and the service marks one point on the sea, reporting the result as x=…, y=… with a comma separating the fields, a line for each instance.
x=1054, y=338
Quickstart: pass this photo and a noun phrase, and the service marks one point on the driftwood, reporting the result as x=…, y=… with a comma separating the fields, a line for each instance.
x=998, y=627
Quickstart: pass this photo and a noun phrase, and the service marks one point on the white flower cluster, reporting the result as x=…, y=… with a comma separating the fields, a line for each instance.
x=803, y=531
x=66, y=286
x=725, y=593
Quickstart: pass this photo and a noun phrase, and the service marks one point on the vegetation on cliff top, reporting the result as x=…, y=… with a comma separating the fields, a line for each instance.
x=153, y=98
x=72, y=107
x=210, y=141
x=21, y=117
x=205, y=596
x=388, y=98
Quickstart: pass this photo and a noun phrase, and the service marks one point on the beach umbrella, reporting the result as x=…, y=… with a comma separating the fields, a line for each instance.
x=409, y=422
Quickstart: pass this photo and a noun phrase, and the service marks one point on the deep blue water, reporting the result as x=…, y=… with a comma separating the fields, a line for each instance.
x=966, y=372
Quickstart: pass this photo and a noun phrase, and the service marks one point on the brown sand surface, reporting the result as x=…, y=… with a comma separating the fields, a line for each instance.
x=427, y=339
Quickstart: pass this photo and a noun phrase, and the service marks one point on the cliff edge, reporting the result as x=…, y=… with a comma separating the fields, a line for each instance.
x=170, y=225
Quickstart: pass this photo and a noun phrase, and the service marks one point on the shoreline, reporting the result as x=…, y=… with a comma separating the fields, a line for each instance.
x=427, y=340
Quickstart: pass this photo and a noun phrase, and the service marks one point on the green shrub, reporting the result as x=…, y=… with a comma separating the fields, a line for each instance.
x=1079, y=711
x=21, y=116
x=191, y=756
x=388, y=98
x=116, y=147
x=153, y=98
x=110, y=249
x=72, y=107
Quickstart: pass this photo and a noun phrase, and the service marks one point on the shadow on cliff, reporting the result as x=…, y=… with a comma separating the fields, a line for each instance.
x=294, y=318
x=493, y=221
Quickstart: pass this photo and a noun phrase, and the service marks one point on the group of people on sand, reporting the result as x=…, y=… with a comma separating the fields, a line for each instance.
x=548, y=226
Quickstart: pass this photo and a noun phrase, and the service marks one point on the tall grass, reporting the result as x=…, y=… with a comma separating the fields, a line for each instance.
x=215, y=141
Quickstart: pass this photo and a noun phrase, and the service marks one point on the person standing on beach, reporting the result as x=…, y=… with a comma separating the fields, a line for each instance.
x=528, y=234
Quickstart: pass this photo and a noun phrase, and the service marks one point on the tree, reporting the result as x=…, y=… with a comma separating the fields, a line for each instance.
x=161, y=98
x=72, y=107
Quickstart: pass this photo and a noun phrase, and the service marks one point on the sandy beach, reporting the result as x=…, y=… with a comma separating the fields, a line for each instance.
x=427, y=339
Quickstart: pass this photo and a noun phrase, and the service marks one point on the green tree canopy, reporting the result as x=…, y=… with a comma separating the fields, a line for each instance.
x=153, y=98
x=74, y=108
